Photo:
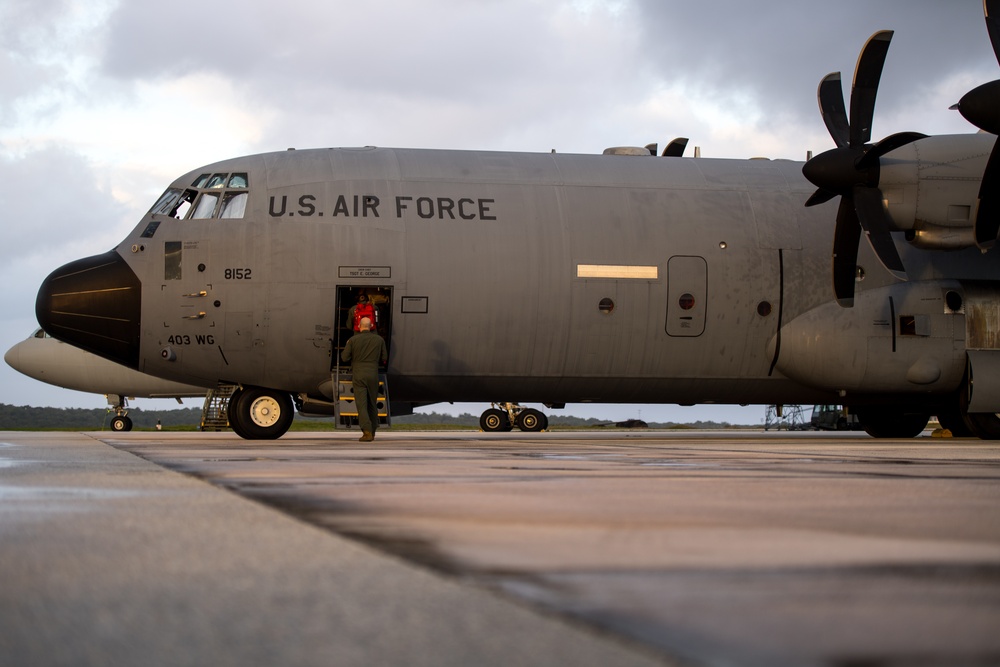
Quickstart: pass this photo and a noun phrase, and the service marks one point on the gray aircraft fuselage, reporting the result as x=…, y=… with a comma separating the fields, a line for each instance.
x=550, y=278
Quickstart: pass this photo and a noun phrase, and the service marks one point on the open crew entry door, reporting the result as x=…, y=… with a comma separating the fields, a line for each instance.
x=380, y=298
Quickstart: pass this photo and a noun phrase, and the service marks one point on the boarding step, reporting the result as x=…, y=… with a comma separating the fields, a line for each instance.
x=215, y=413
x=346, y=412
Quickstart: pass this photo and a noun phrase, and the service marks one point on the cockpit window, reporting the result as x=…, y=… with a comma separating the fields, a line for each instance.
x=234, y=204
x=174, y=202
x=202, y=200
x=165, y=204
x=185, y=204
x=205, y=208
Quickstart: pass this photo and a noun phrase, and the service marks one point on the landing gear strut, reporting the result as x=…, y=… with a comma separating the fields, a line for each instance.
x=121, y=421
x=505, y=416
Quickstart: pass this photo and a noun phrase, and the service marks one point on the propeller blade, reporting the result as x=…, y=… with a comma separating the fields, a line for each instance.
x=991, y=8
x=846, y=236
x=676, y=147
x=821, y=196
x=874, y=219
x=866, y=78
x=651, y=148
x=887, y=145
x=988, y=213
x=831, y=106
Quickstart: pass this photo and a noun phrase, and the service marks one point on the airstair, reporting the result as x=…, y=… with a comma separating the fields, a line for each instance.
x=345, y=407
x=215, y=413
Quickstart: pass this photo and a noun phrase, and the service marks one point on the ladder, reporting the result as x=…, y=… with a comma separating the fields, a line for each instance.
x=215, y=413
x=345, y=408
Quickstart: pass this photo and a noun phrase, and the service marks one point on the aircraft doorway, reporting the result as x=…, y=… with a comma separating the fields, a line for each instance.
x=380, y=299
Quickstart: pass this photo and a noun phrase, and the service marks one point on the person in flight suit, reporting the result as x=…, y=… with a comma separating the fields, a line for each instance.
x=363, y=308
x=365, y=351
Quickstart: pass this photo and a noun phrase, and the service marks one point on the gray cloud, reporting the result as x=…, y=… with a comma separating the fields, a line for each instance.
x=53, y=199
x=460, y=74
x=421, y=71
x=777, y=51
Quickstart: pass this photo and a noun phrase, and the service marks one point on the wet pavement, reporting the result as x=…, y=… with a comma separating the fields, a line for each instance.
x=693, y=548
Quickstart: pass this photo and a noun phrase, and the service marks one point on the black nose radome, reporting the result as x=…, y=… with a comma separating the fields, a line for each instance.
x=95, y=304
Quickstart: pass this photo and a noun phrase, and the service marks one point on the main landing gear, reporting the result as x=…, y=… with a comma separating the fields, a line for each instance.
x=505, y=416
x=908, y=421
x=256, y=413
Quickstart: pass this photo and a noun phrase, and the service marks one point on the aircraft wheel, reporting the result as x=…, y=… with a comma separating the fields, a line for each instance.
x=234, y=399
x=531, y=420
x=261, y=414
x=952, y=420
x=121, y=423
x=886, y=421
x=494, y=420
x=984, y=425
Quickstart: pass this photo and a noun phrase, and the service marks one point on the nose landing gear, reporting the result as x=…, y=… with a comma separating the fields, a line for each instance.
x=505, y=416
x=121, y=421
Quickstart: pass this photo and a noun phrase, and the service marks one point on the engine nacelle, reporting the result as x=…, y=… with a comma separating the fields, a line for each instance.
x=906, y=338
x=931, y=188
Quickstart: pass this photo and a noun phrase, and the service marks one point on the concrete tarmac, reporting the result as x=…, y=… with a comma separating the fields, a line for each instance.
x=472, y=548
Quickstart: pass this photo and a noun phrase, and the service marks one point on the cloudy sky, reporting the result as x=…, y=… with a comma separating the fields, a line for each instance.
x=104, y=102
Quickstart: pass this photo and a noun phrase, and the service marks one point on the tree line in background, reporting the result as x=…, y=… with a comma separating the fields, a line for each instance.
x=18, y=417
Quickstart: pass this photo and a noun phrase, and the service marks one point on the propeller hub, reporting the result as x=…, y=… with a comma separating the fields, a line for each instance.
x=981, y=107
x=837, y=170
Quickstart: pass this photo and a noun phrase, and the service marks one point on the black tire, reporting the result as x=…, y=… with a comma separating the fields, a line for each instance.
x=261, y=414
x=887, y=421
x=234, y=400
x=531, y=420
x=953, y=420
x=121, y=423
x=494, y=420
x=984, y=425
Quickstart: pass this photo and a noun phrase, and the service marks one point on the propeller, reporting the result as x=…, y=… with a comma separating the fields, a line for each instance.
x=674, y=149
x=981, y=107
x=851, y=170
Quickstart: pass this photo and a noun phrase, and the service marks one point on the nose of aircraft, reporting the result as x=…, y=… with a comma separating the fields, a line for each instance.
x=32, y=357
x=13, y=358
x=95, y=304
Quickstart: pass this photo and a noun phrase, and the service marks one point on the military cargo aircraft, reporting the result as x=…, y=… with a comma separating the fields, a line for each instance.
x=44, y=358
x=555, y=278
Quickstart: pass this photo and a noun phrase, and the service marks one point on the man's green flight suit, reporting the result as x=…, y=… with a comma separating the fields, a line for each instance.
x=365, y=351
